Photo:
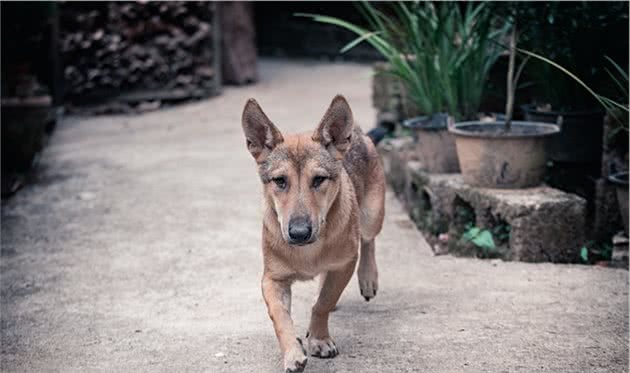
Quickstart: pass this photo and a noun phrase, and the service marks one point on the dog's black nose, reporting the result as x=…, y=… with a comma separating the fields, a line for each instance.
x=300, y=230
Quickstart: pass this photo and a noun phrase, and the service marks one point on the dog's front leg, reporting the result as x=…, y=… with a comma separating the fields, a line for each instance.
x=319, y=342
x=277, y=296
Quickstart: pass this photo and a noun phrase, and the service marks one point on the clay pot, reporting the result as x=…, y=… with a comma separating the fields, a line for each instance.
x=490, y=157
x=24, y=123
x=620, y=180
x=434, y=144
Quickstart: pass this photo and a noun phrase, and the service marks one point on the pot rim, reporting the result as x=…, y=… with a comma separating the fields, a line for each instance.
x=619, y=178
x=30, y=101
x=459, y=130
x=532, y=108
x=426, y=123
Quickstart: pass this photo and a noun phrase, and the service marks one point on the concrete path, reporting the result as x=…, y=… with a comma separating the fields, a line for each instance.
x=136, y=249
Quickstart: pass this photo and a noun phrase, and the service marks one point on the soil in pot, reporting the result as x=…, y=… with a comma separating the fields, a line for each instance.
x=581, y=137
x=492, y=157
x=434, y=143
x=620, y=180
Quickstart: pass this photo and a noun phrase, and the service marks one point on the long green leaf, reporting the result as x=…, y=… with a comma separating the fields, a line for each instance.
x=441, y=53
x=607, y=103
x=621, y=72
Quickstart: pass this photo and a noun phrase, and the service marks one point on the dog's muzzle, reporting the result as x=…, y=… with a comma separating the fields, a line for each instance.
x=300, y=230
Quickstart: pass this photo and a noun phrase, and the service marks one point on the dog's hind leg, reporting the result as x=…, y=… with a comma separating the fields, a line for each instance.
x=319, y=342
x=372, y=215
x=367, y=272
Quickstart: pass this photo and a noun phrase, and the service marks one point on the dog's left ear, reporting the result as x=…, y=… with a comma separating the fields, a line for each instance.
x=335, y=129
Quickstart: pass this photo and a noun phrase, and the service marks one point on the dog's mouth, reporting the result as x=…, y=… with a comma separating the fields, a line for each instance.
x=301, y=243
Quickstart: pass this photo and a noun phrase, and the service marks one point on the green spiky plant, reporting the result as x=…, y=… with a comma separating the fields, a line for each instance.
x=442, y=52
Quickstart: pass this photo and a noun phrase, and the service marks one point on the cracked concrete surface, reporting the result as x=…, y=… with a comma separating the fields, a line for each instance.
x=136, y=249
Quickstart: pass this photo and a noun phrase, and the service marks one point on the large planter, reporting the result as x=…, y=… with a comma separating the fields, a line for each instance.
x=620, y=180
x=581, y=137
x=24, y=122
x=493, y=158
x=434, y=144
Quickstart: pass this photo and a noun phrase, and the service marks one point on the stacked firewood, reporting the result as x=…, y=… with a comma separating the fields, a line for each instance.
x=110, y=48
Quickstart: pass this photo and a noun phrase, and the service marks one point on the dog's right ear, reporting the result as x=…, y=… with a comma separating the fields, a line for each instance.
x=260, y=134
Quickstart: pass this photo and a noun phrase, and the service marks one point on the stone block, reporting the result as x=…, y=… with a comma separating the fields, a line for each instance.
x=545, y=224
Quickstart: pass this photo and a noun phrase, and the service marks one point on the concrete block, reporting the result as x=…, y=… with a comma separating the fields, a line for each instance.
x=545, y=224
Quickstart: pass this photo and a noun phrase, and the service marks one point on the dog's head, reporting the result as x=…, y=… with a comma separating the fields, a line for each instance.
x=300, y=173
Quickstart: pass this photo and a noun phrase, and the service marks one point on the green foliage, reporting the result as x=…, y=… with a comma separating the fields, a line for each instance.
x=442, y=53
x=487, y=240
x=481, y=238
x=584, y=254
x=575, y=35
x=594, y=251
x=618, y=110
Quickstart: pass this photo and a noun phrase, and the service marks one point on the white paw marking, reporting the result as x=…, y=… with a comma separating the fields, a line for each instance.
x=295, y=359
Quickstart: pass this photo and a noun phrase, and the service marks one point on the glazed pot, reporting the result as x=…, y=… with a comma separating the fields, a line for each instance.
x=434, y=144
x=620, y=180
x=490, y=157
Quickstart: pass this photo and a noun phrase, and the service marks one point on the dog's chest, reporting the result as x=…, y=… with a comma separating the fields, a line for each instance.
x=320, y=261
x=309, y=272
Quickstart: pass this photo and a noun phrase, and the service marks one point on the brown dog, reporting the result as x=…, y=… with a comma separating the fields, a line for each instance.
x=324, y=198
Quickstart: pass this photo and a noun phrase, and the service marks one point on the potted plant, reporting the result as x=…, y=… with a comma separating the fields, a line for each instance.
x=617, y=112
x=443, y=55
x=574, y=35
x=503, y=154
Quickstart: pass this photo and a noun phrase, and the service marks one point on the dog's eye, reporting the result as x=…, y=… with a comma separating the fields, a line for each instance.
x=281, y=182
x=318, y=180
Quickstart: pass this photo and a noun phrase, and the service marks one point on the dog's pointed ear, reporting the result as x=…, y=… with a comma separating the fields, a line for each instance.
x=261, y=134
x=335, y=129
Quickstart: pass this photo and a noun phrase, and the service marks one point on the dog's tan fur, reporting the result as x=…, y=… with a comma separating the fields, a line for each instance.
x=346, y=211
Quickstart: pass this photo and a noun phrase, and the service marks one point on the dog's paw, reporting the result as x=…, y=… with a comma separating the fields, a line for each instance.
x=324, y=348
x=368, y=283
x=295, y=359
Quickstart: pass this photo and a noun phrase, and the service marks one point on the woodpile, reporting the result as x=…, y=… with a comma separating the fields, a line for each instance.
x=165, y=50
